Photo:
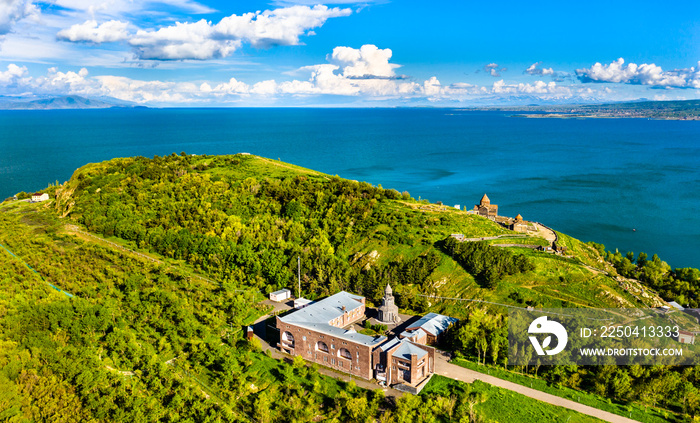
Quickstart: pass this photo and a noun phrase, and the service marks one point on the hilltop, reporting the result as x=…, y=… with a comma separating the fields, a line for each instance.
x=245, y=219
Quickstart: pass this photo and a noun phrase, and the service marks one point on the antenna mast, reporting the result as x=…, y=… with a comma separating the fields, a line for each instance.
x=299, y=275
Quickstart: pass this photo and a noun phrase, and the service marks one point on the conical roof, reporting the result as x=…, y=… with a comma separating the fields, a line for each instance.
x=485, y=200
x=518, y=217
x=388, y=289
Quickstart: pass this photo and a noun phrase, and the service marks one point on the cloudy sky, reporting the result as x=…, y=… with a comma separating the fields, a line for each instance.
x=340, y=53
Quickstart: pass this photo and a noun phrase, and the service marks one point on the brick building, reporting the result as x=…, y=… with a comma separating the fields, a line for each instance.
x=316, y=333
x=429, y=329
x=400, y=361
x=320, y=333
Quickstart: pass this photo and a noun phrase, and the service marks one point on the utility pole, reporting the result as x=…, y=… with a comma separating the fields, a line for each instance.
x=299, y=275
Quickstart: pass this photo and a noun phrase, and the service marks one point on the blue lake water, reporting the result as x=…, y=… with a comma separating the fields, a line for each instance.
x=595, y=179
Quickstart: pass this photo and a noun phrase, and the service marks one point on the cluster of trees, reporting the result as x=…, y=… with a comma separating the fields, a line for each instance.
x=487, y=264
x=680, y=284
x=483, y=337
x=142, y=341
x=221, y=215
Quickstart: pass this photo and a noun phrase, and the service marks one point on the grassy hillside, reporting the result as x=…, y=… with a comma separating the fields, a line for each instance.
x=144, y=338
x=187, y=244
x=244, y=219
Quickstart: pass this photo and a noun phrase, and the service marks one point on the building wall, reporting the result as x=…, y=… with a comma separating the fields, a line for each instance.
x=306, y=345
x=416, y=369
x=686, y=339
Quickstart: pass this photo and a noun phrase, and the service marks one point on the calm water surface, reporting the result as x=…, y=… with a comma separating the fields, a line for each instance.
x=595, y=179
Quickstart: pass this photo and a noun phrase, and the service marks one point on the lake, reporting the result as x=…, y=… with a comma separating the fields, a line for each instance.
x=632, y=184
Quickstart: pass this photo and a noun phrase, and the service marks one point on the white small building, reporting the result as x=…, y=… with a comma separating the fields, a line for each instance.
x=685, y=337
x=300, y=303
x=38, y=197
x=281, y=295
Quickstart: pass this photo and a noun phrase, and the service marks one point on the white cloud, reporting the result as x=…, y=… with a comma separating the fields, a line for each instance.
x=644, y=74
x=182, y=41
x=89, y=31
x=12, y=75
x=118, y=8
x=493, y=69
x=366, y=62
x=276, y=27
x=12, y=11
x=202, y=40
x=535, y=70
x=353, y=72
x=56, y=82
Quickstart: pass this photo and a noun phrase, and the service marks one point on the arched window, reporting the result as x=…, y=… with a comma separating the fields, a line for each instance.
x=321, y=346
x=345, y=353
x=288, y=339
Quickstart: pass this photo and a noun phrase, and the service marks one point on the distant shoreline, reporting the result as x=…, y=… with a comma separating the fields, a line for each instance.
x=601, y=116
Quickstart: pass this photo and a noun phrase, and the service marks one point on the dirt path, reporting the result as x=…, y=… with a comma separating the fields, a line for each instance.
x=442, y=367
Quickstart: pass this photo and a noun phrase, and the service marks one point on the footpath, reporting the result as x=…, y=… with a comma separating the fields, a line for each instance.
x=453, y=371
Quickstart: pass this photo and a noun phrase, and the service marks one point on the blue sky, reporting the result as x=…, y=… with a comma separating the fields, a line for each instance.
x=381, y=53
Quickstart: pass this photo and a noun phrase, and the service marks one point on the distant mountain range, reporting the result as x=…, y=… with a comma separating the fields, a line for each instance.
x=61, y=102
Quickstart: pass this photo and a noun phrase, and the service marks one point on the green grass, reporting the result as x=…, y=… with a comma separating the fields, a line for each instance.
x=502, y=405
x=638, y=413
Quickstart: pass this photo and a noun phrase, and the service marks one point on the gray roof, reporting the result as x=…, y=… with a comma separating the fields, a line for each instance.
x=390, y=344
x=340, y=333
x=406, y=350
x=408, y=334
x=676, y=305
x=434, y=323
x=325, y=310
x=281, y=291
x=318, y=315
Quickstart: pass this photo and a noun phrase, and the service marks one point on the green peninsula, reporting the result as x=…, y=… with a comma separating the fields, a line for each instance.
x=168, y=258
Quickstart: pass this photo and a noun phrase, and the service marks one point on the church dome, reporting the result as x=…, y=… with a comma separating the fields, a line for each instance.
x=518, y=218
x=485, y=200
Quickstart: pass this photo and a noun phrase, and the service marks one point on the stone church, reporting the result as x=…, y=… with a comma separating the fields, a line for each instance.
x=485, y=208
x=388, y=311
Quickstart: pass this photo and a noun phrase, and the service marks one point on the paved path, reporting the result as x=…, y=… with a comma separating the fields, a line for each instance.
x=442, y=367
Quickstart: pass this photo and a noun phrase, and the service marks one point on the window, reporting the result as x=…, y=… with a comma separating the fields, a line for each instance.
x=332, y=346
x=343, y=352
x=304, y=337
x=288, y=339
x=321, y=346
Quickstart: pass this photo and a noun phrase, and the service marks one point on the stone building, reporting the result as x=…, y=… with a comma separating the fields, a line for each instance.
x=319, y=333
x=520, y=225
x=388, y=311
x=316, y=332
x=400, y=361
x=485, y=208
x=429, y=329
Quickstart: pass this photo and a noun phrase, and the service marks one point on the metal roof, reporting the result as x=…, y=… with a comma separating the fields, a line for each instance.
x=406, y=350
x=280, y=292
x=340, y=333
x=391, y=344
x=434, y=323
x=676, y=305
x=318, y=315
x=325, y=310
